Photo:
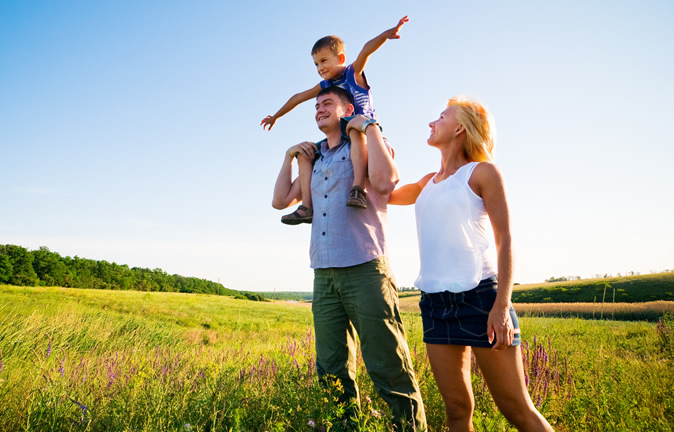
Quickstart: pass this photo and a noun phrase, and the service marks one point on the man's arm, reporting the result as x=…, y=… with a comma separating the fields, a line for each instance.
x=382, y=170
x=294, y=100
x=286, y=190
x=372, y=46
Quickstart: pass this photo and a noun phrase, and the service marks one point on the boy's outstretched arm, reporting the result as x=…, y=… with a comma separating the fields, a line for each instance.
x=294, y=100
x=372, y=46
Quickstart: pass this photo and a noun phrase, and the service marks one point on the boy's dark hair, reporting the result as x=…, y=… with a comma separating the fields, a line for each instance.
x=333, y=43
x=344, y=95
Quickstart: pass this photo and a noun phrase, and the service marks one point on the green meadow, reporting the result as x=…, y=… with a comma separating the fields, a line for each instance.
x=100, y=360
x=619, y=289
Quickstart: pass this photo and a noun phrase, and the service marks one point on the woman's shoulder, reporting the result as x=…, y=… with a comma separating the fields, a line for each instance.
x=487, y=169
x=485, y=174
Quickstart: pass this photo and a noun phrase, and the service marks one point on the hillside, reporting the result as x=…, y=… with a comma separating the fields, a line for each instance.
x=626, y=289
x=22, y=267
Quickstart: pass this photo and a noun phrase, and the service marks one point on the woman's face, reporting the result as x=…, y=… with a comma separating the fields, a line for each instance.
x=442, y=129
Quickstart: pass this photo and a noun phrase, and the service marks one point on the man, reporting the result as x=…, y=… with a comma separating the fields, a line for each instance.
x=354, y=290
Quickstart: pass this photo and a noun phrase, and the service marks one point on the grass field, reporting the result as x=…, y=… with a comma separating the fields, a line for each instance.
x=86, y=360
x=647, y=311
x=623, y=289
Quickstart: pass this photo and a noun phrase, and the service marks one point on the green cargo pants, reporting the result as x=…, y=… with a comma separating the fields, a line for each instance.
x=363, y=300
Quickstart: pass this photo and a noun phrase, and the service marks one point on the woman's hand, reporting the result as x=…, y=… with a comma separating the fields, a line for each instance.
x=500, y=327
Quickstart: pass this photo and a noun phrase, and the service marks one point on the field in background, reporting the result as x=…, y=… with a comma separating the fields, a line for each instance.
x=649, y=311
x=630, y=298
x=87, y=360
x=625, y=289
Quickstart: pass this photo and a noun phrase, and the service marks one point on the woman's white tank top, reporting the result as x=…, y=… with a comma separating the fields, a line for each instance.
x=454, y=231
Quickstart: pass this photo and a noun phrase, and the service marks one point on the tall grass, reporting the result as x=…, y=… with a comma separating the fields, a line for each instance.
x=648, y=311
x=118, y=361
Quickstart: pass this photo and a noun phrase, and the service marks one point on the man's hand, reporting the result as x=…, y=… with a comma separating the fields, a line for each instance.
x=306, y=149
x=268, y=121
x=392, y=33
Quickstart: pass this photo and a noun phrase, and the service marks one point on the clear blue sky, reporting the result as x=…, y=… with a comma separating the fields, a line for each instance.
x=129, y=130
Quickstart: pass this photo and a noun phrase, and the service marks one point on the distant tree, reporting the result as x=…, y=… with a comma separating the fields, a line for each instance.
x=49, y=267
x=6, y=268
x=557, y=279
x=22, y=263
x=18, y=266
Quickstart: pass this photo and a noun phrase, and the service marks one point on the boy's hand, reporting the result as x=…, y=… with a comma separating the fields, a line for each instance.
x=306, y=148
x=392, y=33
x=356, y=123
x=268, y=121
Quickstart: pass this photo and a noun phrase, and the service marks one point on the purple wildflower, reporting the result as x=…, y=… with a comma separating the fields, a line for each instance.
x=83, y=407
x=49, y=349
x=2, y=365
x=312, y=423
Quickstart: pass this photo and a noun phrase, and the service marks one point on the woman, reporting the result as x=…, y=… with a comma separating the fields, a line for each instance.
x=462, y=309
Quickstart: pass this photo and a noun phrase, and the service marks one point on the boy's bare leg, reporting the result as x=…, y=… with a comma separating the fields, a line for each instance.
x=358, y=196
x=358, y=157
x=304, y=168
x=304, y=212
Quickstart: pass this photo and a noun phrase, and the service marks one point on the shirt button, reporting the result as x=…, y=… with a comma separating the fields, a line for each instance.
x=326, y=178
x=323, y=232
x=325, y=196
x=343, y=157
x=325, y=214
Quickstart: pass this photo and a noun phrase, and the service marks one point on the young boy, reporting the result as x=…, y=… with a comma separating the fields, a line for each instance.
x=330, y=60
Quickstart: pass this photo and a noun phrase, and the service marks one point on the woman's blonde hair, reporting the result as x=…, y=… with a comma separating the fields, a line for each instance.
x=479, y=126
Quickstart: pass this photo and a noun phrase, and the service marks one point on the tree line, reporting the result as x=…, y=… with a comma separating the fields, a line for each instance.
x=19, y=266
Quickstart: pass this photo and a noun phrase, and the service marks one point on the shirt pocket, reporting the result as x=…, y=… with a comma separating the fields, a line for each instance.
x=342, y=167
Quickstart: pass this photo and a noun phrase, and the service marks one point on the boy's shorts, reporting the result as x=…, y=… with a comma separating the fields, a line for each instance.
x=342, y=123
x=345, y=120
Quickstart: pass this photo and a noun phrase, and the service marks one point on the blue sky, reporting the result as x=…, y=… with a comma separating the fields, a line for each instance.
x=129, y=131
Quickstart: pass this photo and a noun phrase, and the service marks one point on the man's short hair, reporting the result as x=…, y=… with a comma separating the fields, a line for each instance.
x=333, y=43
x=344, y=95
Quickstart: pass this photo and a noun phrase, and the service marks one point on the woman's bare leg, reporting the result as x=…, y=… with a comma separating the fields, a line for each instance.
x=451, y=368
x=504, y=374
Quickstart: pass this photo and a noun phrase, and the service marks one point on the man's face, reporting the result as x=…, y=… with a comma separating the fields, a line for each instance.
x=329, y=109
